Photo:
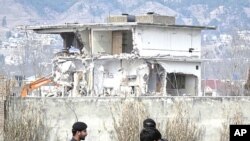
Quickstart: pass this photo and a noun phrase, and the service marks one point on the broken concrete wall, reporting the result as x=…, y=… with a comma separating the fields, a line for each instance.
x=120, y=76
x=85, y=35
x=187, y=68
x=113, y=75
x=107, y=76
x=61, y=113
x=102, y=42
x=70, y=73
x=134, y=73
x=110, y=61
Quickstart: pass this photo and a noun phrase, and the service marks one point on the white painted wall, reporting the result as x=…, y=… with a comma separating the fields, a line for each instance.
x=102, y=42
x=181, y=67
x=190, y=85
x=167, y=41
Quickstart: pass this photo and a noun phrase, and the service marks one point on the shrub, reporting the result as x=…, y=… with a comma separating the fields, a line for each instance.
x=128, y=123
x=232, y=115
x=28, y=124
x=181, y=127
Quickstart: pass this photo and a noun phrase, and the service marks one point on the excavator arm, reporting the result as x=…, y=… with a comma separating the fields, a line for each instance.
x=34, y=85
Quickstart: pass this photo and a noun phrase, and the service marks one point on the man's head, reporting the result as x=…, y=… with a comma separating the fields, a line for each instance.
x=150, y=134
x=149, y=123
x=79, y=130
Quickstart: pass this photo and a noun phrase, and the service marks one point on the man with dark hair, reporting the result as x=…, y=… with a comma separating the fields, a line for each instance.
x=150, y=134
x=149, y=123
x=79, y=131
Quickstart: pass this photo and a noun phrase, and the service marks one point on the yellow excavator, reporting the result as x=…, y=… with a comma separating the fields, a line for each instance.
x=34, y=85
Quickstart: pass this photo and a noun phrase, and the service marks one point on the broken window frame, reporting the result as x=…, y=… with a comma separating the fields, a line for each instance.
x=176, y=81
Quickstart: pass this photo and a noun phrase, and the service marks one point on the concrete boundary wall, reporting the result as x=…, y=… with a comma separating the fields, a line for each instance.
x=1, y=118
x=61, y=113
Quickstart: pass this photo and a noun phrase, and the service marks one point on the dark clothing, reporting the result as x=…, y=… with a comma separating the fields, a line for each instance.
x=150, y=134
x=73, y=139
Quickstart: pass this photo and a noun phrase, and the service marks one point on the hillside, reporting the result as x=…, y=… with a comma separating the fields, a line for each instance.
x=227, y=15
x=16, y=13
x=230, y=16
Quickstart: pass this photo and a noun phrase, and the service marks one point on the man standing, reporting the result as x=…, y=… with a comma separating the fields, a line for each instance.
x=149, y=131
x=150, y=134
x=79, y=131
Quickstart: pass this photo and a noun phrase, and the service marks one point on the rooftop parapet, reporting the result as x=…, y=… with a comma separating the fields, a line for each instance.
x=150, y=17
x=155, y=19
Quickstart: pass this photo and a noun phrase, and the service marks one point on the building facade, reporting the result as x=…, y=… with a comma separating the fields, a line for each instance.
x=128, y=56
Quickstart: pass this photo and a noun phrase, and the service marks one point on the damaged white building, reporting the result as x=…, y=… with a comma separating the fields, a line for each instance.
x=128, y=56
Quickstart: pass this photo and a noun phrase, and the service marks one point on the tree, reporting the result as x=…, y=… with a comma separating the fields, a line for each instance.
x=4, y=22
